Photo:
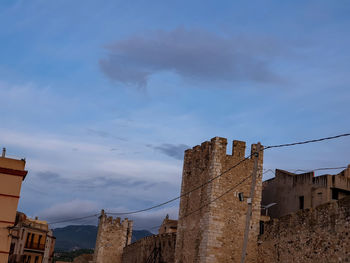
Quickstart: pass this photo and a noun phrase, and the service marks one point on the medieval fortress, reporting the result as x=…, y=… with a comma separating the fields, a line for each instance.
x=227, y=214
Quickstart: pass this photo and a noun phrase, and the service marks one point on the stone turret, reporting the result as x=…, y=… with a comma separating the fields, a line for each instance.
x=215, y=232
x=112, y=236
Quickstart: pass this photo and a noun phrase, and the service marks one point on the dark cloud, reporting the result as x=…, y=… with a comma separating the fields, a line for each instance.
x=192, y=54
x=173, y=150
x=104, y=134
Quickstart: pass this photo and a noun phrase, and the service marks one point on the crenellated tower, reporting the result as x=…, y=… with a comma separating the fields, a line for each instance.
x=112, y=236
x=212, y=224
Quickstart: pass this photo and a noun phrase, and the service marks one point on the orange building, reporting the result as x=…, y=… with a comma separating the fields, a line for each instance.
x=32, y=241
x=12, y=174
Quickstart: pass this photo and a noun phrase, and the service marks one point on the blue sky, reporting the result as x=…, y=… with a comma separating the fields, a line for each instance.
x=102, y=97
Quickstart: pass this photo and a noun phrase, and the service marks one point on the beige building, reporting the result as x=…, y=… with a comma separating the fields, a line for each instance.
x=12, y=174
x=168, y=226
x=32, y=241
x=291, y=192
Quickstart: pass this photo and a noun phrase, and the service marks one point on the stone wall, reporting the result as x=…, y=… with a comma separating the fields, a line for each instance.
x=215, y=232
x=317, y=235
x=292, y=191
x=112, y=236
x=161, y=247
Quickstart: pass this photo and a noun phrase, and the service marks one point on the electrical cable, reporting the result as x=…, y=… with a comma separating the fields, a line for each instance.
x=214, y=178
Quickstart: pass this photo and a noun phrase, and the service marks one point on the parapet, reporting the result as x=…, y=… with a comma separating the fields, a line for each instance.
x=219, y=145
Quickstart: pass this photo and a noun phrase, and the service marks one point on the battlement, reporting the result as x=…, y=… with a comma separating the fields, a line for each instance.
x=218, y=145
x=114, y=222
x=218, y=226
x=112, y=236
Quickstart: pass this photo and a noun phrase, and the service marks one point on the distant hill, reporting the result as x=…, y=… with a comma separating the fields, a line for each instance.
x=84, y=236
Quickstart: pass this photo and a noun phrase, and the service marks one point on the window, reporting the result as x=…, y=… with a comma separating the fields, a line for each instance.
x=27, y=240
x=31, y=241
x=261, y=227
x=335, y=194
x=301, y=202
x=39, y=240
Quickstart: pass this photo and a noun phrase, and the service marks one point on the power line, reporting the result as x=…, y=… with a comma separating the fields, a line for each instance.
x=214, y=178
x=184, y=194
x=308, y=170
x=309, y=141
x=73, y=219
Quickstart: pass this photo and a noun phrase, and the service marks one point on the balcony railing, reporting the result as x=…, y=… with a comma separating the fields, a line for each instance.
x=36, y=246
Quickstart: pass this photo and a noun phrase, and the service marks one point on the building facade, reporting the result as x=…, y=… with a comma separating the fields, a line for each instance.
x=32, y=241
x=12, y=173
x=168, y=226
x=292, y=192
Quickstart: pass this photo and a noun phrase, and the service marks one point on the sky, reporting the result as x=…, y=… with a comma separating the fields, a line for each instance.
x=103, y=97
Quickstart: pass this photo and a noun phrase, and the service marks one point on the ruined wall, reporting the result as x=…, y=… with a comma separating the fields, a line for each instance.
x=286, y=188
x=215, y=233
x=112, y=237
x=317, y=235
x=144, y=248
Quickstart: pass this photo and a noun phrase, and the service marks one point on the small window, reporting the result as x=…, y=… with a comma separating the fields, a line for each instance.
x=335, y=194
x=40, y=237
x=301, y=202
x=31, y=241
x=261, y=227
x=27, y=240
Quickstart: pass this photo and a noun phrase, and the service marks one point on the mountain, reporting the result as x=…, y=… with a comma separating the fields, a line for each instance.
x=84, y=236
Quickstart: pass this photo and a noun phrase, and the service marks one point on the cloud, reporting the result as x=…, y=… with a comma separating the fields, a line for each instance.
x=69, y=210
x=104, y=134
x=77, y=209
x=192, y=54
x=173, y=150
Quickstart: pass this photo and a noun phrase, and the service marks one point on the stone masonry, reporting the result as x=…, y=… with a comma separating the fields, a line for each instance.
x=156, y=248
x=320, y=235
x=112, y=237
x=215, y=232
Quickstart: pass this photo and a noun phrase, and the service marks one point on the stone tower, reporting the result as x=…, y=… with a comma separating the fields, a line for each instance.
x=215, y=233
x=112, y=237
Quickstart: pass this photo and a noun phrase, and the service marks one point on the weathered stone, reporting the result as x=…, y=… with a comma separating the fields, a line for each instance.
x=159, y=248
x=112, y=237
x=312, y=235
x=215, y=232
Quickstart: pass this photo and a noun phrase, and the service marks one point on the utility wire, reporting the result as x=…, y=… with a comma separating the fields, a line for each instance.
x=214, y=178
x=220, y=196
x=184, y=194
x=309, y=141
x=243, y=180
x=73, y=219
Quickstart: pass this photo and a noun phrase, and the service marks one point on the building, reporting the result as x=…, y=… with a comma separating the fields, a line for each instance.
x=290, y=192
x=214, y=224
x=220, y=221
x=168, y=226
x=32, y=241
x=12, y=174
x=112, y=236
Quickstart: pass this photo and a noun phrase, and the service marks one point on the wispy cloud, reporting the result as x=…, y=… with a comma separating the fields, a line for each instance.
x=192, y=54
x=104, y=134
x=173, y=150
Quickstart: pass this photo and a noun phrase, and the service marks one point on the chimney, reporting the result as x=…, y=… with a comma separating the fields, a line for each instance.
x=3, y=152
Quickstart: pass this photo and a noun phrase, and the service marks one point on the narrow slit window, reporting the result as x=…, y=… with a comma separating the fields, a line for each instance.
x=301, y=202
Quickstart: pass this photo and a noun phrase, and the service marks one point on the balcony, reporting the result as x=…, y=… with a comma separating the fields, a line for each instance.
x=35, y=246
